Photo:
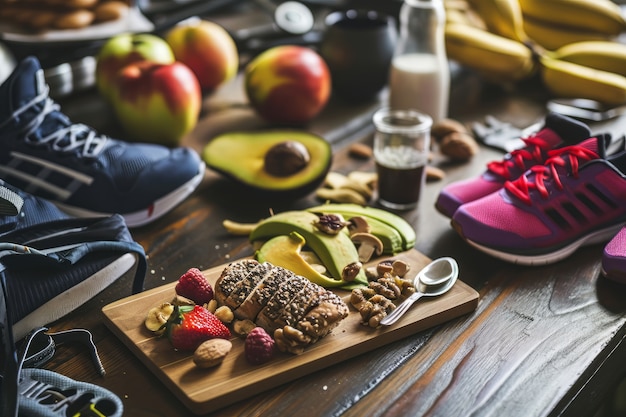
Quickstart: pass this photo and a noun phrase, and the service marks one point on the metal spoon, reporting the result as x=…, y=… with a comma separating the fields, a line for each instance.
x=434, y=279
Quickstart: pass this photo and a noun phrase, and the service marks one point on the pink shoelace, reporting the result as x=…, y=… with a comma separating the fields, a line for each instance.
x=532, y=151
x=522, y=186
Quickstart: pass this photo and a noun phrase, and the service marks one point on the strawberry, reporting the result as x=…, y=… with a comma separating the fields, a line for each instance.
x=193, y=285
x=189, y=326
x=259, y=346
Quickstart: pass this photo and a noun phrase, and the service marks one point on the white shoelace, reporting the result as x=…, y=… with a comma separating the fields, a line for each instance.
x=67, y=139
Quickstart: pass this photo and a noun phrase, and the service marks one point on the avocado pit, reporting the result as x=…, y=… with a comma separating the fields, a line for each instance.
x=286, y=158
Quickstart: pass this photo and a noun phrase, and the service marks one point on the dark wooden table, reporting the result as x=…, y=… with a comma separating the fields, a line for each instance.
x=544, y=341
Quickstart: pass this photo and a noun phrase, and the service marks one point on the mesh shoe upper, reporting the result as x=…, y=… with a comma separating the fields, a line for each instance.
x=557, y=130
x=44, y=153
x=577, y=197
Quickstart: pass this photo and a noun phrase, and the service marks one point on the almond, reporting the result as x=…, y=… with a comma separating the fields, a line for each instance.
x=211, y=352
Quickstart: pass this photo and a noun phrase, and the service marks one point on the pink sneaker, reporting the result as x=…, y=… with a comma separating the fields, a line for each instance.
x=578, y=197
x=614, y=258
x=557, y=131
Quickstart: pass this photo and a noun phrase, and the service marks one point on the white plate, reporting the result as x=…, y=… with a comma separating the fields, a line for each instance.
x=134, y=21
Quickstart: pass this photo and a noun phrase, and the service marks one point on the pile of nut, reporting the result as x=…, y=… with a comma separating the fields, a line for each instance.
x=454, y=140
x=386, y=286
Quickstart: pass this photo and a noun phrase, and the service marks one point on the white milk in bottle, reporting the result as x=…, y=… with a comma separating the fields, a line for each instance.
x=420, y=76
x=417, y=81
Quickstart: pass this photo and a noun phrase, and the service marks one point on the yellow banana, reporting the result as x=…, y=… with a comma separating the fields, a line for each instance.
x=601, y=16
x=493, y=55
x=459, y=11
x=502, y=17
x=603, y=55
x=456, y=16
x=566, y=79
x=551, y=37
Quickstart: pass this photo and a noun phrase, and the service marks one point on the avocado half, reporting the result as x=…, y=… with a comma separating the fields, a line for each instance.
x=241, y=156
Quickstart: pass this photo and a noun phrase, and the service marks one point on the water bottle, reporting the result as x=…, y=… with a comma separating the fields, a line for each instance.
x=420, y=76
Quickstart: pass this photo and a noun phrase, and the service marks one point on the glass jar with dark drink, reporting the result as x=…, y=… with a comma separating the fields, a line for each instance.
x=401, y=147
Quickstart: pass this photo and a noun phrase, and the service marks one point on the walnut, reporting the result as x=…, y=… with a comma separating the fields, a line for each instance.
x=383, y=288
x=330, y=223
x=357, y=298
x=376, y=301
x=390, y=282
x=375, y=309
x=289, y=339
x=243, y=327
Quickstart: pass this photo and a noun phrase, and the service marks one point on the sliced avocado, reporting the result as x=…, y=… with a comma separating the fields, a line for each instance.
x=297, y=161
x=285, y=251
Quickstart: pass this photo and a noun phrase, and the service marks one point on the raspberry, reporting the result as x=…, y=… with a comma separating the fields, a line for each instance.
x=193, y=285
x=259, y=346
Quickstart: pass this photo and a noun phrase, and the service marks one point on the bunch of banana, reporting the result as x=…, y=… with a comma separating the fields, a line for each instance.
x=502, y=17
x=593, y=70
x=555, y=23
x=602, y=55
x=569, y=41
x=568, y=79
x=496, y=57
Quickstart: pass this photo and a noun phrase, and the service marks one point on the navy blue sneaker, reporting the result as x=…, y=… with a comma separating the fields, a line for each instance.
x=52, y=263
x=87, y=174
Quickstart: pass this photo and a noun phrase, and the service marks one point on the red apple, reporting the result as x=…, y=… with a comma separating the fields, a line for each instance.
x=124, y=49
x=288, y=84
x=157, y=103
x=208, y=49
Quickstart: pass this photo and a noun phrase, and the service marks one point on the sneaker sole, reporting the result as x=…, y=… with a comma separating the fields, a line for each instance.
x=74, y=297
x=614, y=275
x=150, y=214
x=600, y=236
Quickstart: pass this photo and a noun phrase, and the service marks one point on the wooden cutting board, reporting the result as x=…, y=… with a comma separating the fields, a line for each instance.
x=205, y=390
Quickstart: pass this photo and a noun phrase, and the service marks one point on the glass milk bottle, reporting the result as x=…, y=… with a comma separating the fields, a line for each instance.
x=419, y=76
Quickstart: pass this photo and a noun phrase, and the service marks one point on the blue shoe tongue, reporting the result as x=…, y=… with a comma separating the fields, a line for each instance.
x=25, y=83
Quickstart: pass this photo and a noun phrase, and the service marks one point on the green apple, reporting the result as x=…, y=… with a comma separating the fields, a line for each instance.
x=288, y=84
x=124, y=49
x=157, y=103
x=208, y=49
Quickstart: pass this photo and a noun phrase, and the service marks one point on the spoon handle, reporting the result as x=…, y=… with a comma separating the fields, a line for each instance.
x=399, y=311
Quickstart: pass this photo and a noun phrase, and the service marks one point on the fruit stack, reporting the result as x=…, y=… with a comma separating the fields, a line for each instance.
x=571, y=44
x=155, y=84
